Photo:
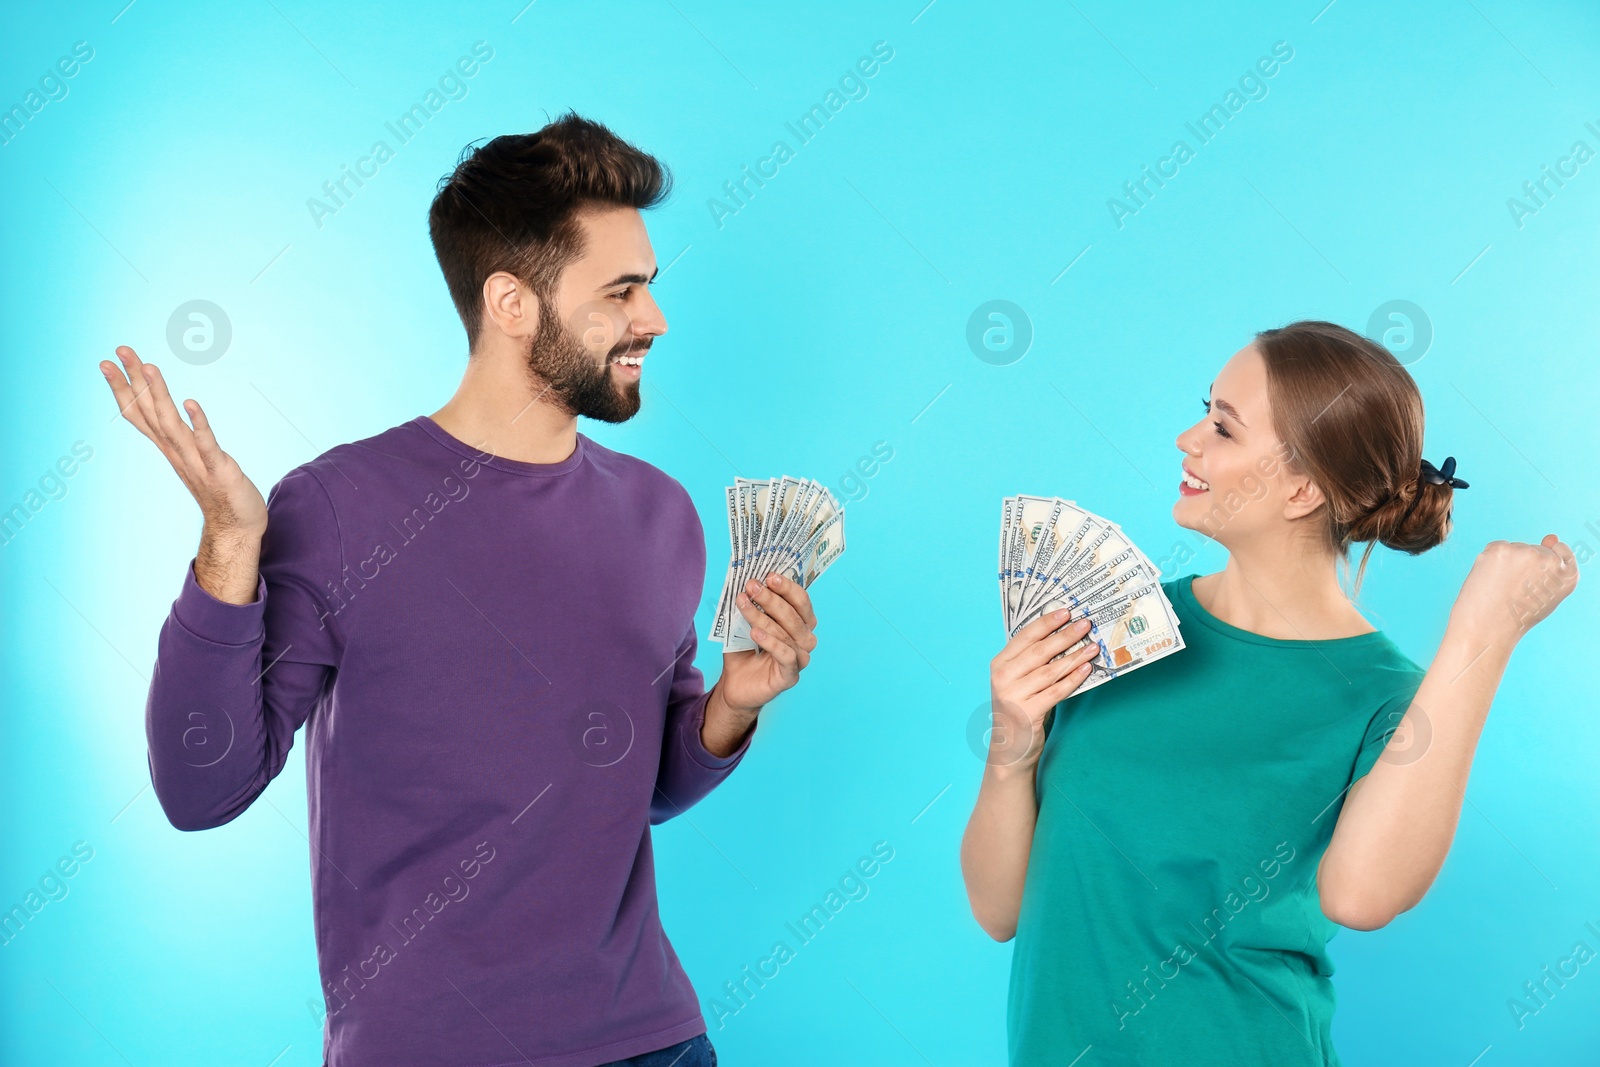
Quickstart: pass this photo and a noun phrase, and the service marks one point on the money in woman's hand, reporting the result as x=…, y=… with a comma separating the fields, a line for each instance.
x=1055, y=554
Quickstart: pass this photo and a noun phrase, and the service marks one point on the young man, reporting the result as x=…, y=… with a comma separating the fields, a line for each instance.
x=485, y=621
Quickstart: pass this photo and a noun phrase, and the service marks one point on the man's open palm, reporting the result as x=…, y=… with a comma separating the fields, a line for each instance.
x=227, y=498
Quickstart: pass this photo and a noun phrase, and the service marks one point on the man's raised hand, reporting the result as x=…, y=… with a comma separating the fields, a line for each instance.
x=229, y=501
x=226, y=562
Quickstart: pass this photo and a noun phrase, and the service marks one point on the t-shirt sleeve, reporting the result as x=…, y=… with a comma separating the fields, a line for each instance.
x=1382, y=727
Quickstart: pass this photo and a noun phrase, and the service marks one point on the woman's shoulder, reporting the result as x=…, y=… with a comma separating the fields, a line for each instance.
x=1389, y=660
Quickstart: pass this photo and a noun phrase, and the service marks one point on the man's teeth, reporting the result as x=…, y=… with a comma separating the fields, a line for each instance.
x=1194, y=483
x=631, y=361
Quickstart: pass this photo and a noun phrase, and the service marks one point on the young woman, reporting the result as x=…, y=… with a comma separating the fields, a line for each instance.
x=1171, y=850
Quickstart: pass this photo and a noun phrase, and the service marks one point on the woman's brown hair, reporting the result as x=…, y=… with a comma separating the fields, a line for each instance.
x=1351, y=417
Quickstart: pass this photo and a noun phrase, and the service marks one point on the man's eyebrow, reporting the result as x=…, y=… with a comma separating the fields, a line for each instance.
x=631, y=279
x=1229, y=410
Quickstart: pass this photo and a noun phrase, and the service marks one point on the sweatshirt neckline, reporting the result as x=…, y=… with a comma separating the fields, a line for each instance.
x=502, y=463
x=1185, y=597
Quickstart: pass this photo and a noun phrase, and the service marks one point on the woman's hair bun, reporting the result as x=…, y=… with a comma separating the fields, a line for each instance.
x=1412, y=521
x=1351, y=416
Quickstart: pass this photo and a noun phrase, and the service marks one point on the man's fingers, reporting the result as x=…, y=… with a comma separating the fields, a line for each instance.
x=796, y=596
x=780, y=650
x=783, y=610
x=125, y=385
x=121, y=390
x=773, y=626
x=132, y=363
x=139, y=379
x=173, y=428
x=138, y=406
x=205, y=441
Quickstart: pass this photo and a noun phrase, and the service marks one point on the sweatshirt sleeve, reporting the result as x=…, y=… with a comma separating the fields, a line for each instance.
x=688, y=769
x=233, y=682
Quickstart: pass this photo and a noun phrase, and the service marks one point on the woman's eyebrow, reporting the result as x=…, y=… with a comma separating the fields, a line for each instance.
x=1229, y=410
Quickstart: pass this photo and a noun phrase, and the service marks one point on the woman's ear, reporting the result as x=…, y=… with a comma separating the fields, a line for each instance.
x=1304, y=497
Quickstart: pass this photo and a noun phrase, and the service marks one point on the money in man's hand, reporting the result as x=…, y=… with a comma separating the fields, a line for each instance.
x=790, y=525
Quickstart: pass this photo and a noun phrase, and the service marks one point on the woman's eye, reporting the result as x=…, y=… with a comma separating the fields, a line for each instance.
x=1222, y=431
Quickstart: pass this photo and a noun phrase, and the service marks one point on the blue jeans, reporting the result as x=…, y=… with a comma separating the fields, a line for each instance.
x=695, y=1052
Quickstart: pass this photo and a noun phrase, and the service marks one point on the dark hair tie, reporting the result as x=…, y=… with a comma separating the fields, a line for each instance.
x=1444, y=475
x=1431, y=475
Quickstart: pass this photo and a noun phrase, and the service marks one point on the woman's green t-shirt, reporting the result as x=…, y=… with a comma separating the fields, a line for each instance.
x=1170, y=912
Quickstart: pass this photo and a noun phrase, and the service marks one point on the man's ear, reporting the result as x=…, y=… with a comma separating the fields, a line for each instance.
x=1304, y=498
x=511, y=305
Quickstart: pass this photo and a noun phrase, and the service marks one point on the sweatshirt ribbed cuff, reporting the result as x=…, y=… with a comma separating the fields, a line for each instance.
x=697, y=748
x=218, y=621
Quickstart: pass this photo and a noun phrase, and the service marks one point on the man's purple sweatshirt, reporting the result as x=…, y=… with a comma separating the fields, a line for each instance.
x=494, y=664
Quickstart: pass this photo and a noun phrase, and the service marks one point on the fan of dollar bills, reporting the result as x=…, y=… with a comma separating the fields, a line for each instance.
x=1055, y=554
x=790, y=525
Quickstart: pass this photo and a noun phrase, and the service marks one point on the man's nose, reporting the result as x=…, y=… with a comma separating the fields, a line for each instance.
x=650, y=322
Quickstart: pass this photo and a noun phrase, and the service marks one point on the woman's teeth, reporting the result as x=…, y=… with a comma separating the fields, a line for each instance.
x=1194, y=483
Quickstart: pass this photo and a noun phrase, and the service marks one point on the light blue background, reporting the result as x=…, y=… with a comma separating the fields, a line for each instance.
x=827, y=315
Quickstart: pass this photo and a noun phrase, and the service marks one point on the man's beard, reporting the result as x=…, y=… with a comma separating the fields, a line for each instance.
x=563, y=369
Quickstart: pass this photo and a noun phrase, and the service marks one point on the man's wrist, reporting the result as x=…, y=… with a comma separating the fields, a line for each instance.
x=723, y=706
x=227, y=564
x=724, y=727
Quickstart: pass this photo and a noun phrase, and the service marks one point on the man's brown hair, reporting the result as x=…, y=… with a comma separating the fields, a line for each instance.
x=511, y=204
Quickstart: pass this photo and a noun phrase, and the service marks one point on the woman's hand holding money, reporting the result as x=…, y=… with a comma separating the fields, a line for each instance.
x=1026, y=680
